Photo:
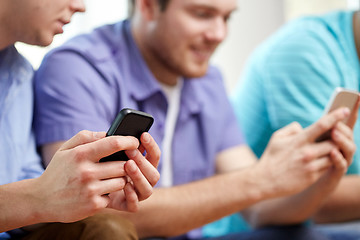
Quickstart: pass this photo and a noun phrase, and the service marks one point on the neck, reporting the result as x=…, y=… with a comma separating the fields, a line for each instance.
x=156, y=66
x=5, y=33
x=356, y=29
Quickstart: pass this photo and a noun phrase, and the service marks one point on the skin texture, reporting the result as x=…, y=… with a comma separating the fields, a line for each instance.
x=179, y=41
x=37, y=21
x=74, y=185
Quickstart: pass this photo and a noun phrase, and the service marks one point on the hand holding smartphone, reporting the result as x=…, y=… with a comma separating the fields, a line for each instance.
x=340, y=98
x=129, y=122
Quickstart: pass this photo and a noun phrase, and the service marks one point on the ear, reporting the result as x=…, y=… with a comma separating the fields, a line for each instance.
x=149, y=8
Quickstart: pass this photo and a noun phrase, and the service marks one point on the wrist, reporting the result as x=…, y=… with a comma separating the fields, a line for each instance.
x=17, y=205
x=265, y=184
x=34, y=201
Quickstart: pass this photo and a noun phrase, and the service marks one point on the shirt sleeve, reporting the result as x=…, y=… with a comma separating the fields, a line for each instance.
x=71, y=95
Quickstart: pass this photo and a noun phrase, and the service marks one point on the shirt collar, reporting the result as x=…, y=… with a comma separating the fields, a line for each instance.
x=144, y=84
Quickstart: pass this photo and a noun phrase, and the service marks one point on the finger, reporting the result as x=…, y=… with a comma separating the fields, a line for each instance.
x=320, y=164
x=132, y=201
x=142, y=149
x=152, y=149
x=142, y=186
x=82, y=137
x=354, y=116
x=146, y=168
x=105, y=200
x=345, y=130
x=338, y=160
x=327, y=122
x=346, y=145
x=290, y=129
x=106, y=146
x=111, y=185
x=321, y=149
x=112, y=169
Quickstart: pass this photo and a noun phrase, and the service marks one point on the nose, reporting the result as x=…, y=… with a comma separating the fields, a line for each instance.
x=77, y=5
x=217, y=31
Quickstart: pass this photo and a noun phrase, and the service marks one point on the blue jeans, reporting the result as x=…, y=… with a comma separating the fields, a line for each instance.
x=347, y=231
x=300, y=232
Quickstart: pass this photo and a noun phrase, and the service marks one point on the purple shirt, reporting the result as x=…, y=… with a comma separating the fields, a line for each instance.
x=87, y=81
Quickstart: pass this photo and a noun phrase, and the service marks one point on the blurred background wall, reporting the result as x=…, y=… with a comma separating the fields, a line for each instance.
x=250, y=25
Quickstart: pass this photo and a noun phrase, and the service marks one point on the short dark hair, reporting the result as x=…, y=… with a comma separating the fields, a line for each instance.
x=162, y=3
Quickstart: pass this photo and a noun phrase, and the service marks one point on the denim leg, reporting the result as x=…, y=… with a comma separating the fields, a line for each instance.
x=340, y=231
x=297, y=232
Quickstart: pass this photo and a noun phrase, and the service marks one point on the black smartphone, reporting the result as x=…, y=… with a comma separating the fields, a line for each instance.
x=128, y=122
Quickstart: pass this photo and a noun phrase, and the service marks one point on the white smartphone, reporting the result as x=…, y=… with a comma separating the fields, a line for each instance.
x=340, y=98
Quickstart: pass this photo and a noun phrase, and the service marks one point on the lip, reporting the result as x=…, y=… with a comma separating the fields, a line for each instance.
x=59, y=26
x=202, y=54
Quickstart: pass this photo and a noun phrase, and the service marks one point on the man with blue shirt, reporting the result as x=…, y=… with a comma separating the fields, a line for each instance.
x=291, y=76
x=158, y=62
x=74, y=186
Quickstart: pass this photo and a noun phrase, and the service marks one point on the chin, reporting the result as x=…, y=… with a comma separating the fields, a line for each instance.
x=196, y=72
x=46, y=42
x=44, y=39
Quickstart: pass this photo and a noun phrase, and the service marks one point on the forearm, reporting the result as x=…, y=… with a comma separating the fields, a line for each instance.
x=17, y=206
x=177, y=210
x=293, y=209
x=343, y=204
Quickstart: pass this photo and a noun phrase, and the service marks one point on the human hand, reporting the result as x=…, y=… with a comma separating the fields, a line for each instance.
x=342, y=136
x=293, y=160
x=142, y=174
x=74, y=185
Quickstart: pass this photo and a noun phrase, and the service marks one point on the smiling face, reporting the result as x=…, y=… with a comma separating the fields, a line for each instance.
x=183, y=37
x=38, y=21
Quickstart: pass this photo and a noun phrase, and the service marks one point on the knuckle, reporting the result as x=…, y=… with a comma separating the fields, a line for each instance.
x=84, y=135
x=116, y=143
x=309, y=170
x=276, y=134
x=95, y=204
x=79, y=154
x=157, y=154
x=91, y=192
x=87, y=175
x=133, y=207
x=155, y=178
x=322, y=126
x=353, y=148
x=122, y=183
x=308, y=155
x=137, y=176
x=296, y=126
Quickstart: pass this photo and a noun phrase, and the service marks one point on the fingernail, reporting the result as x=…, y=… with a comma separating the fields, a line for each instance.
x=146, y=137
x=131, y=166
x=131, y=153
x=346, y=111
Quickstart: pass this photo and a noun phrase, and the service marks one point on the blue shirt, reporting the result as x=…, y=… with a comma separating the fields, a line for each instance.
x=86, y=82
x=291, y=76
x=18, y=156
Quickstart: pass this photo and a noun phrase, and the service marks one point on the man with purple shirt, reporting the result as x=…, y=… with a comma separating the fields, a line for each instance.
x=158, y=63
